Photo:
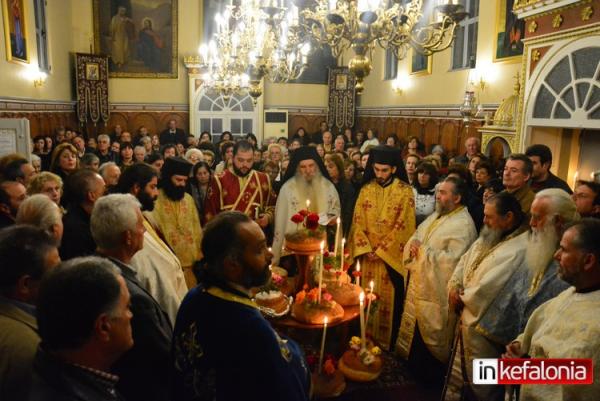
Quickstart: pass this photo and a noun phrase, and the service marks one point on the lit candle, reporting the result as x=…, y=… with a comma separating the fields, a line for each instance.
x=308, y=205
x=575, y=178
x=323, y=344
x=321, y=270
x=337, y=237
x=342, y=254
x=357, y=281
x=361, y=298
x=371, y=297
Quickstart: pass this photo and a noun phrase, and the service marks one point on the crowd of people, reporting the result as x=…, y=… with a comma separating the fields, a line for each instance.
x=163, y=236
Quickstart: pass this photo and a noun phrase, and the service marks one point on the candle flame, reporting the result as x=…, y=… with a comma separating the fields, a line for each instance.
x=322, y=245
x=361, y=297
x=338, y=220
x=358, y=266
x=307, y=203
x=326, y=320
x=371, y=284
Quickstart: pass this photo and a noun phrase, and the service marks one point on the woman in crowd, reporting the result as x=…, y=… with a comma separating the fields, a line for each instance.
x=345, y=190
x=64, y=160
x=424, y=188
x=251, y=138
x=198, y=185
x=48, y=184
x=155, y=141
x=321, y=150
x=194, y=155
x=352, y=173
x=371, y=140
x=155, y=160
x=359, y=139
x=473, y=163
x=392, y=141
x=411, y=167
x=205, y=137
x=36, y=162
x=484, y=171
x=350, y=141
x=301, y=135
x=126, y=155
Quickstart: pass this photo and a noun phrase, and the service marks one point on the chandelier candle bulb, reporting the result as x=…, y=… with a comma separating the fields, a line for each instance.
x=325, y=321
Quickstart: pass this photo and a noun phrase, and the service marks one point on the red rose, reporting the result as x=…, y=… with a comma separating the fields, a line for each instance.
x=303, y=212
x=338, y=273
x=297, y=218
x=356, y=274
x=313, y=217
x=326, y=254
x=327, y=267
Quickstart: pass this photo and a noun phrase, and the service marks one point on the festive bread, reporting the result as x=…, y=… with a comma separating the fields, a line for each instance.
x=274, y=300
x=313, y=313
x=327, y=386
x=354, y=369
x=333, y=276
x=345, y=294
x=301, y=242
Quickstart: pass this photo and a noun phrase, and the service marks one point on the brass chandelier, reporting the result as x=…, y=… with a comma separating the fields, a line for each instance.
x=254, y=39
x=393, y=25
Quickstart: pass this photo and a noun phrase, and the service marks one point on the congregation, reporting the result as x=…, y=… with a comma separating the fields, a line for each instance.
x=127, y=262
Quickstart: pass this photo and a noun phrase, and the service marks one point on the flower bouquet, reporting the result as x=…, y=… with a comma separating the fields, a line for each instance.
x=308, y=235
x=328, y=381
x=308, y=308
x=362, y=362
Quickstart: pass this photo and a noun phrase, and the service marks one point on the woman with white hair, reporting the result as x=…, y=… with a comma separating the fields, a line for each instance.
x=194, y=155
x=40, y=211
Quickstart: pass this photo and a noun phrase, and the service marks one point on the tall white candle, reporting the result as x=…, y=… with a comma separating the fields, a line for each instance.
x=323, y=344
x=342, y=254
x=361, y=298
x=371, y=296
x=321, y=270
x=337, y=237
x=357, y=281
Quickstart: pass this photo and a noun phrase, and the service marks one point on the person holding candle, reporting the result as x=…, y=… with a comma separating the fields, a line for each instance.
x=384, y=220
x=430, y=256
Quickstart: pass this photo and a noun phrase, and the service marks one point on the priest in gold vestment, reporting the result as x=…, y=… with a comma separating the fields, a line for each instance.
x=175, y=216
x=384, y=220
x=432, y=253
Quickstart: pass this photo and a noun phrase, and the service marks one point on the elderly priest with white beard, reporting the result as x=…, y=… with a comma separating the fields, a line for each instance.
x=306, y=179
x=536, y=281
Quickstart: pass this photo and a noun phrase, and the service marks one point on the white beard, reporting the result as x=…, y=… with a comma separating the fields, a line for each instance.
x=541, y=247
x=310, y=190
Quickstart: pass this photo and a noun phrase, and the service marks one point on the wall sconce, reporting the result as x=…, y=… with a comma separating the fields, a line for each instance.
x=400, y=84
x=39, y=79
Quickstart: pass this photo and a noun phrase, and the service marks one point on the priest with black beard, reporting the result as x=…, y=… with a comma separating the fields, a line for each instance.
x=157, y=268
x=175, y=216
x=242, y=188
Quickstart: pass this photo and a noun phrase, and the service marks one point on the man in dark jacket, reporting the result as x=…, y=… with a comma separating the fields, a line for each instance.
x=84, y=325
x=83, y=189
x=118, y=228
x=173, y=135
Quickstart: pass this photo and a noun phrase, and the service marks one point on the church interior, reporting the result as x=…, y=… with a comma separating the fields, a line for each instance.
x=510, y=73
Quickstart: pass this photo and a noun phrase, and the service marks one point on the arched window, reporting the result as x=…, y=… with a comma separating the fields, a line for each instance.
x=571, y=90
x=216, y=114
